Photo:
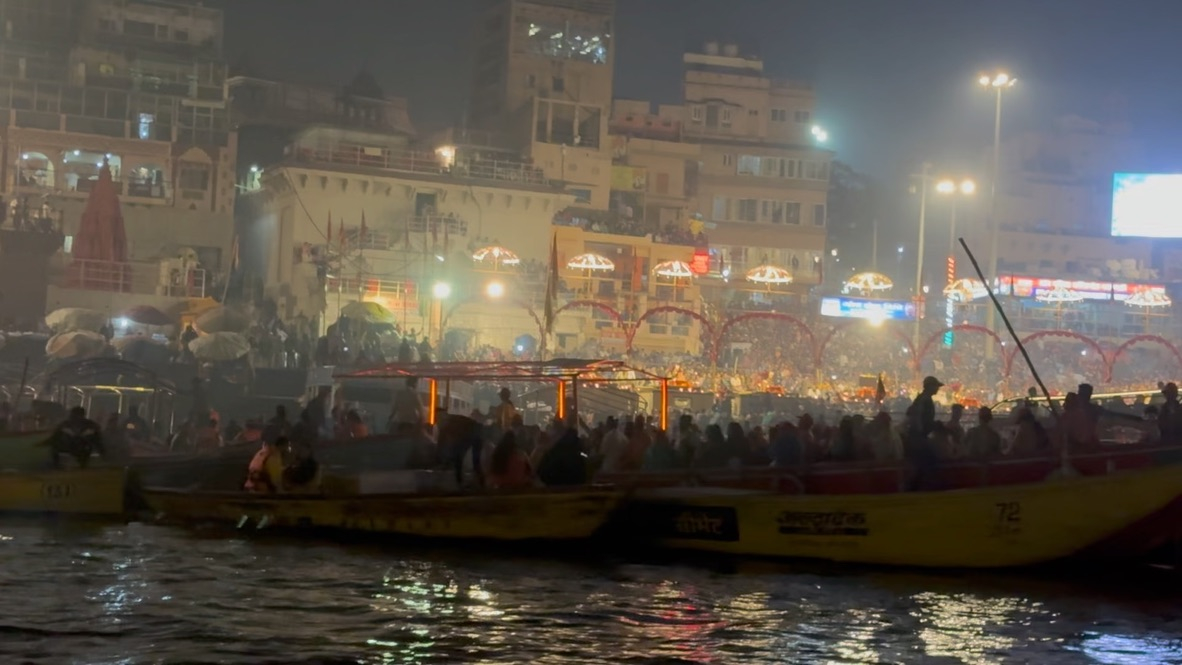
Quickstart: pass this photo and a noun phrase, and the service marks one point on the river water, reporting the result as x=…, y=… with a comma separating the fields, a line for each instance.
x=150, y=594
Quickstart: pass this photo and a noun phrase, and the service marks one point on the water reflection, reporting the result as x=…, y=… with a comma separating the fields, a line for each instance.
x=143, y=594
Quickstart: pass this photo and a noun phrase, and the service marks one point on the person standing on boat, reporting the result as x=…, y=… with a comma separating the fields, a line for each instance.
x=406, y=414
x=502, y=414
x=278, y=425
x=921, y=424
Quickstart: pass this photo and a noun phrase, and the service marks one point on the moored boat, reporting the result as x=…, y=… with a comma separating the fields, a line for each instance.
x=97, y=491
x=24, y=450
x=532, y=515
x=990, y=527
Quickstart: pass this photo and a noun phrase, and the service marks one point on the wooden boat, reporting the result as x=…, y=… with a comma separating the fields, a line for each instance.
x=534, y=515
x=992, y=527
x=868, y=477
x=93, y=491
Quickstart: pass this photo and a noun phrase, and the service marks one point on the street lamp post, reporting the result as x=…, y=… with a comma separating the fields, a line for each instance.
x=998, y=82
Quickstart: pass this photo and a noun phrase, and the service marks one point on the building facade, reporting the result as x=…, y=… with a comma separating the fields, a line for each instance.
x=137, y=84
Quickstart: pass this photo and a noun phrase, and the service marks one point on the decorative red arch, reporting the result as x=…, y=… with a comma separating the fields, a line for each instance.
x=1070, y=334
x=593, y=304
x=777, y=316
x=630, y=331
x=1137, y=340
x=964, y=327
x=824, y=343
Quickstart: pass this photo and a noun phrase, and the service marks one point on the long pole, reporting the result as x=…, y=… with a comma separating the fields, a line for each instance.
x=994, y=223
x=923, y=216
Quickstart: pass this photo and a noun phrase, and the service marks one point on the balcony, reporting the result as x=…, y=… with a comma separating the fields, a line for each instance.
x=137, y=277
x=412, y=161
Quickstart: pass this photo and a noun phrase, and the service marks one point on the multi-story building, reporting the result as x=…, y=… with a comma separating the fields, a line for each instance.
x=543, y=82
x=136, y=84
x=737, y=159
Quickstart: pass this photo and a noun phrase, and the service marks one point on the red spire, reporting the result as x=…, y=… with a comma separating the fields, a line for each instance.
x=101, y=236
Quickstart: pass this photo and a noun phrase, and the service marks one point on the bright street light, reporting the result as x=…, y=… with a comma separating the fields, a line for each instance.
x=441, y=290
x=820, y=134
x=494, y=290
x=952, y=187
x=998, y=80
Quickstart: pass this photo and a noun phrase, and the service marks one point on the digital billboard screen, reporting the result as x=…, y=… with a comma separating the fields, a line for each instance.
x=864, y=308
x=1147, y=205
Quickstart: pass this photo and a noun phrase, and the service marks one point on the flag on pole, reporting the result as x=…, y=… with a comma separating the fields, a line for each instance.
x=550, y=310
x=880, y=390
x=341, y=233
x=364, y=230
x=328, y=234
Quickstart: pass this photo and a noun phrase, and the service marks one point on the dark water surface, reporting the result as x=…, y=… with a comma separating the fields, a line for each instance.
x=148, y=594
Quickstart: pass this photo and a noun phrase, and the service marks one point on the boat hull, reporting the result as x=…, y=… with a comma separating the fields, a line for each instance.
x=557, y=515
x=1011, y=526
x=92, y=492
x=24, y=451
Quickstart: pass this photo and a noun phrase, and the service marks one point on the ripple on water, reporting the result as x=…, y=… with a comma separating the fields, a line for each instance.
x=144, y=594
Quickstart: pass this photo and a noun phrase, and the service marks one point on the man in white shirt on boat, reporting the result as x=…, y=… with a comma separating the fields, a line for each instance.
x=406, y=415
x=613, y=447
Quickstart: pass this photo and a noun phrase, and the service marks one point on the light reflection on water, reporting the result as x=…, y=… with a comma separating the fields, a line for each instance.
x=140, y=594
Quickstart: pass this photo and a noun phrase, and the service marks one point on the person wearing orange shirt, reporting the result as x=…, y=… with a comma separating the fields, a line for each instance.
x=265, y=473
x=510, y=468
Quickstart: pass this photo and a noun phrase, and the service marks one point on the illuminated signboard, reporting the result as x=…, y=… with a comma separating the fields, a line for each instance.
x=864, y=308
x=700, y=263
x=1029, y=287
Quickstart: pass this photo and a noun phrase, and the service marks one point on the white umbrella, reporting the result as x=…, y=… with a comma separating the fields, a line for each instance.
x=75, y=344
x=68, y=319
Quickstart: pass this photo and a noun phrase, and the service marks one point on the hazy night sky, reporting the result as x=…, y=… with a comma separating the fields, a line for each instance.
x=896, y=79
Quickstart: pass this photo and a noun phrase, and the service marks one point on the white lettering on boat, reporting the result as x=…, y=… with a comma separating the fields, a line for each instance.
x=695, y=523
x=56, y=491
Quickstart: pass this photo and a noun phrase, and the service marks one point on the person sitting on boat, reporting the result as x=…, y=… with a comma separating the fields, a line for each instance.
x=688, y=441
x=134, y=427
x=786, y=449
x=509, y=467
x=302, y=474
x=1031, y=438
x=77, y=436
x=565, y=463
x=885, y=442
x=278, y=425
x=661, y=455
x=355, y=428
x=982, y=441
x=954, y=425
x=209, y=437
x=265, y=473
x=406, y=414
x=613, y=446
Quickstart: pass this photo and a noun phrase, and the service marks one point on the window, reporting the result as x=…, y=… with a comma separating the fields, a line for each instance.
x=146, y=120
x=726, y=117
x=752, y=112
x=802, y=117
x=779, y=115
x=792, y=212
x=711, y=116
x=138, y=28
x=728, y=160
x=194, y=177
x=581, y=195
x=819, y=214
x=720, y=206
x=558, y=84
x=748, y=165
x=180, y=35
x=771, y=167
x=696, y=114
x=748, y=210
x=106, y=25
x=791, y=168
x=810, y=170
x=531, y=81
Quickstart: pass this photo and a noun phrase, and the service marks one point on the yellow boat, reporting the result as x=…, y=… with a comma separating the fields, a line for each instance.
x=992, y=527
x=535, y=515
x=94, y=492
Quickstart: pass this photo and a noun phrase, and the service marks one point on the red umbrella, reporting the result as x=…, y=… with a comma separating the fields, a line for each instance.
x=100, y=246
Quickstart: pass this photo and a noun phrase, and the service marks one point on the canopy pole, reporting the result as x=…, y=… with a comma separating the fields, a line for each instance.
x=664, y=404
x=433, y=394
x=561, y=410
x=574, y=406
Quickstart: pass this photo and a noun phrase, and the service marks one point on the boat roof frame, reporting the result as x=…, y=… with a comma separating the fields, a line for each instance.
x=558, y=369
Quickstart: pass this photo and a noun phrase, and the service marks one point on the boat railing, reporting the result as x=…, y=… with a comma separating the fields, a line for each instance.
x=893, y=476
